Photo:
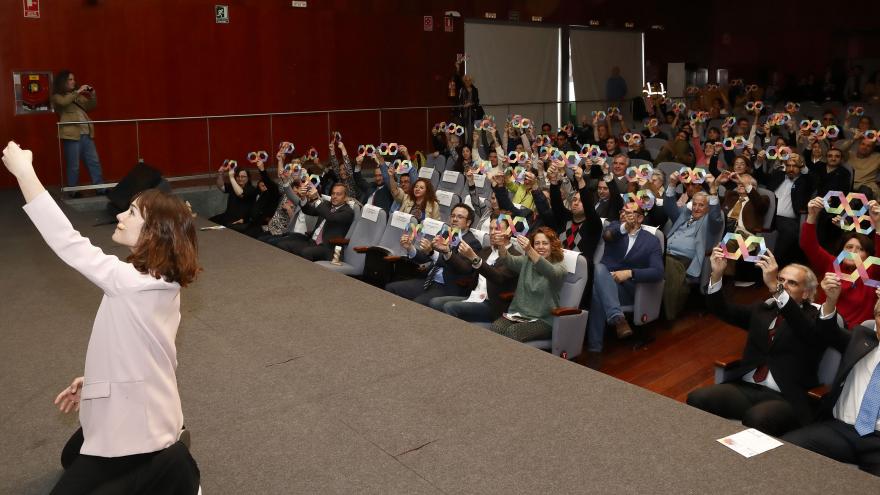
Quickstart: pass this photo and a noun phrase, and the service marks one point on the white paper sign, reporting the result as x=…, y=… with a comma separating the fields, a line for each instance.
x=431, y=226
x=426, y=173
x=450, y=176
x=399, y=219
x=370, y=212
x=444, y=198
x=570, y=259
x=479, y=180
x=750, y=442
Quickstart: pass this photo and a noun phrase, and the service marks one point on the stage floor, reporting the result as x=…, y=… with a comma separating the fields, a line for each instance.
x=297, y=380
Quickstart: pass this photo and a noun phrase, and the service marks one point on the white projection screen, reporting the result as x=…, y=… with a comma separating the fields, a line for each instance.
x=514, y=64
x=594, y=53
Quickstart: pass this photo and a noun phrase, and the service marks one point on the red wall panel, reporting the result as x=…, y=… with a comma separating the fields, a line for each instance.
x=166, y=58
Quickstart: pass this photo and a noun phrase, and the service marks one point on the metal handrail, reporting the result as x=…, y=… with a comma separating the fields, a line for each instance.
x=309, y=112
x=270, y=115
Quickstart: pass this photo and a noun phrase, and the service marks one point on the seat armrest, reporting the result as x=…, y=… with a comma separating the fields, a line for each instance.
x=339, y=241
x=818, y=392
x=506, y=296
x=393, y=258
x=565, y=311
x=361, y=249
x=727, y=362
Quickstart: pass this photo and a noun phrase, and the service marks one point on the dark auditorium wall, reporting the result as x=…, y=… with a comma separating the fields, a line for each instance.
x=165, y=58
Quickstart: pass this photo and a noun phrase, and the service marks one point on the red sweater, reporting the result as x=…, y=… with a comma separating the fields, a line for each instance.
x=856, y=302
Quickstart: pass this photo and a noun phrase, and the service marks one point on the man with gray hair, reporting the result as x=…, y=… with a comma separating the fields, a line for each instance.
x=781, y=355
x=694, y=228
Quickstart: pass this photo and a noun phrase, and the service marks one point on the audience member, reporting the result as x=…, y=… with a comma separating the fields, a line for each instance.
x=694, y=229
x=847, y=427
x=484, y=304
x=632, y=255
x=781, y=354
x=855, y=299
x=541, y=275
x=443, y=277
x=241, y=195
x=335, y=219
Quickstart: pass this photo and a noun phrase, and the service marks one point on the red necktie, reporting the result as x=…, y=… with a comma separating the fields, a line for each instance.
x=569, y=241
x=762, y=371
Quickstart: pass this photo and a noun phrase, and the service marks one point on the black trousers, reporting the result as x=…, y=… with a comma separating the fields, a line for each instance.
x=414, y=290
x=170, y=471
x=841, y=442
x=304, y=247
x=758, y=407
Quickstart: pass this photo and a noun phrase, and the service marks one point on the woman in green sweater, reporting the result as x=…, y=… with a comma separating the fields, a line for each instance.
x=541, y=273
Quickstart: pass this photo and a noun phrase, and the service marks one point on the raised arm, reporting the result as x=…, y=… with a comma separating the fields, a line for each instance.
x=74, y=249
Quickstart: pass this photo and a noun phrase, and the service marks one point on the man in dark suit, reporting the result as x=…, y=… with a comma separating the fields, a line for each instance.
x=376, y=194
x=848, y=429
x=781, y=355
x=632, y=255
x=444, y=278
x=335, y=218
x=484, y=304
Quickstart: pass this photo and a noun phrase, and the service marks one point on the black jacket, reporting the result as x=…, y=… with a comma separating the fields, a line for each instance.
x=853, y=347
x=337, y=222
x=794, y=355
x=453, y=273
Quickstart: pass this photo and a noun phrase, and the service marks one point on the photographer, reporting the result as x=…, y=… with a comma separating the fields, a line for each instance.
x=77, y=140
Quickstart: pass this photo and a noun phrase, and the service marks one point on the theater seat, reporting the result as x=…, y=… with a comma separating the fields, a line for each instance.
x=367, y=231
x=446, y=200
x=569, y=321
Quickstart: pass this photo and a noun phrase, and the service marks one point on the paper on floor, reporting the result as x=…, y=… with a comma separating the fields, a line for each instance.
x=750, y=442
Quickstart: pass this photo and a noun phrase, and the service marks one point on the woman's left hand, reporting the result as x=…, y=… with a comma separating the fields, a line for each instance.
x=68, y=399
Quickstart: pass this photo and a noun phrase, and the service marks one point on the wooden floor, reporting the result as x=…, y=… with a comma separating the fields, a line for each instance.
x=681, y=356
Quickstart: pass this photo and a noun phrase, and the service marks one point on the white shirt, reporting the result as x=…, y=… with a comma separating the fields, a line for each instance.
x=129, y=401
x=850, y=401
x=480, y=293
x=632, y=237
x=769, y=382
x=784, y=206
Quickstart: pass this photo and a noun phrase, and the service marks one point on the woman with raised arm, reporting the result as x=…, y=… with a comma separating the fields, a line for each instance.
x=541, y=274
x=128, y=403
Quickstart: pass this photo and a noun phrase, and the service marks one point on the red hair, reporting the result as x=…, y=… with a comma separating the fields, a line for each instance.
x=556, y=254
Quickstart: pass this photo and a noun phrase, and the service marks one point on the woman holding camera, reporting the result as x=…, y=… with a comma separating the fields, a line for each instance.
x=71, y=104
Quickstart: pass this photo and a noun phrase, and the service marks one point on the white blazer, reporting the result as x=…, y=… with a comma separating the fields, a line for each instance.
x=129, y=404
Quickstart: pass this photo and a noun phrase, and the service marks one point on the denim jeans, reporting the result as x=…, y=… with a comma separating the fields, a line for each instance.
x=607, y=298
x=83, y=149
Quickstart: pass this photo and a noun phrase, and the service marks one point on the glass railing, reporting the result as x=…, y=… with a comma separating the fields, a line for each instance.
x=192, y=148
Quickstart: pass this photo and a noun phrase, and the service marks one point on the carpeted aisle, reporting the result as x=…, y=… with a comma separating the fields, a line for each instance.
x=298, y=380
